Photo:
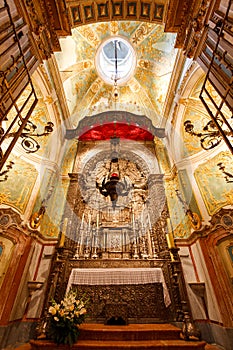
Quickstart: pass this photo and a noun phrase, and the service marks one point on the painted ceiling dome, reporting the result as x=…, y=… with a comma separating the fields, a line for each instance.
x=115, y=60
x=145, y=60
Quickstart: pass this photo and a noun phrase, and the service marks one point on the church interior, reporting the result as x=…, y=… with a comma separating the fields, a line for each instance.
x=116, y=172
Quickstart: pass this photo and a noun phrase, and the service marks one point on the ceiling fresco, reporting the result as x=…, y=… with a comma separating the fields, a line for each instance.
x=145, y=92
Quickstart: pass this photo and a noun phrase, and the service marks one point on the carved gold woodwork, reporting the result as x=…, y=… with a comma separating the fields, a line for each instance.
x=84, y=12
x=47, y=21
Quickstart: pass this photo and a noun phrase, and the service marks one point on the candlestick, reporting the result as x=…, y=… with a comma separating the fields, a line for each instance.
x=63, y=234
x=133, y=218
x=89, y=223
x=150, y=226
x=149, y=244
x=169, y=235
x=80, y=245
x=97, y=221
x=142, y=220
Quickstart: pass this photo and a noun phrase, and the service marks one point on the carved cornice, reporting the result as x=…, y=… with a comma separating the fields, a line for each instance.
x=49, y=19
x=196, y=29
x=176, y=14
x=46, y=19
x=189, y=18
x=86, y=12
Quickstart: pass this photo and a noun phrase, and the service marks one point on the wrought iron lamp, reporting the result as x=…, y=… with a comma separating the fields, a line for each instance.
x=211, y=137
x=29, y=144
x=37, y=216
x=112, y=185
x=228, y=176
x=194, y=217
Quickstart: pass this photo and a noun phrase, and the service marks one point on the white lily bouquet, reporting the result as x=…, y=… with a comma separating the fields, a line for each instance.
x=64, y=319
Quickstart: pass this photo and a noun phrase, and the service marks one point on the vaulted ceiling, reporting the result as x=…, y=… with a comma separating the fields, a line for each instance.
x=144, y=94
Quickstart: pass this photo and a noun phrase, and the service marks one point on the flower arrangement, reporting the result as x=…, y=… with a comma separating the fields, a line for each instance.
x=64, y=319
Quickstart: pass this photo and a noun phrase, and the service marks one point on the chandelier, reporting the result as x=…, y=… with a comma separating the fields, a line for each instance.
x=112, y=184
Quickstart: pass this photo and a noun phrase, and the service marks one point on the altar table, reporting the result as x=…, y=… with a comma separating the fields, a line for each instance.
x=116, y=276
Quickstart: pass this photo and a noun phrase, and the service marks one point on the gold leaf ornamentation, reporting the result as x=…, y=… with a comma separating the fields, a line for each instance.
x=141, y=33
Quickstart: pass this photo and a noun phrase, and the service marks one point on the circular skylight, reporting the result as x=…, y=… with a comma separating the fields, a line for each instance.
x=115, y=60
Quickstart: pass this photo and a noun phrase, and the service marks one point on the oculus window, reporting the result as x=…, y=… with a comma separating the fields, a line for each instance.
x=115, y=60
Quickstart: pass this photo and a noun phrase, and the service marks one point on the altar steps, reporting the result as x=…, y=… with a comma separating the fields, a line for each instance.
x=134, y=336
x=131, y=332
x=129, y=337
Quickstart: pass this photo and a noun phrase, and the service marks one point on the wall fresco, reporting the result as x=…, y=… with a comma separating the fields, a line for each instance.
x=180, y=222
x=50, y=223
x=216, y=192
x=16, y=191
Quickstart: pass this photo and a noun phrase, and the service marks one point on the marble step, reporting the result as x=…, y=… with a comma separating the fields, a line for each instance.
x=95, y=336
x=122, y=345
x=131, y=332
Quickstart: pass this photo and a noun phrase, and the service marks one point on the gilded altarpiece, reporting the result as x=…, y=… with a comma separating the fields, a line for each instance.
x=130, y=233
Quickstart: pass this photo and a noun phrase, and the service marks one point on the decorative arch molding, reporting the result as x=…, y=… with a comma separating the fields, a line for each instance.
x=116, y=119
x=193, y=75
x=221, y=229
x=10, y=221
x=22, y=247
x=209, y=239
x=19, y=241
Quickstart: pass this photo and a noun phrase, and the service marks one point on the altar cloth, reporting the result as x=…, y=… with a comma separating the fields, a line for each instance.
x=115, y=276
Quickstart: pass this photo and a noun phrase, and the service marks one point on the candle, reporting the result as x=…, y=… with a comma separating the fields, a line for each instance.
x=142, y=221
x=149, y=221
x=170, y=240
x=63, y=234
x=169, y=225
x=89, y=222
x=97, y=221
x=82, y=222
x=169, y=235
